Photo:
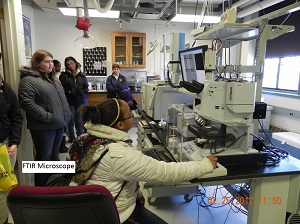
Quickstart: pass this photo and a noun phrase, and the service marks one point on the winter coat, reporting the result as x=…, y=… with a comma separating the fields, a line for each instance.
x=43, y=100
x=11, y=118
x=122, y=162
x=75, y=87
x=115, y=86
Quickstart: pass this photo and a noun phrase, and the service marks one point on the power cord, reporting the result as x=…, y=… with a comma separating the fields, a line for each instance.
x=209, y=202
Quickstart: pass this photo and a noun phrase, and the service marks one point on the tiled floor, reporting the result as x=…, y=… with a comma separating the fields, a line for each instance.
x=174, y=209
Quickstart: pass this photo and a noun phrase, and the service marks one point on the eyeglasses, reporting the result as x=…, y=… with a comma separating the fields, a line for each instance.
x=127, y=117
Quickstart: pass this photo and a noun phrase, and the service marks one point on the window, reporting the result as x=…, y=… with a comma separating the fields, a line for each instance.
x=282, y=74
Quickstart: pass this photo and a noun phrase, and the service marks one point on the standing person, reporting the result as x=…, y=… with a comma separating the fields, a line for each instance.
x=122, y=167
x=11, y=121
x=76, y=85
x=42, y=97
x=57, y=67
x=116, y=82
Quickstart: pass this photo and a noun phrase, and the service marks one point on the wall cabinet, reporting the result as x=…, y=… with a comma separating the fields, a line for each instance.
x=129, y=49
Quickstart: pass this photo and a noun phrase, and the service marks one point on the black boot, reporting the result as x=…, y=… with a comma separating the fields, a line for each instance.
x=63, y=148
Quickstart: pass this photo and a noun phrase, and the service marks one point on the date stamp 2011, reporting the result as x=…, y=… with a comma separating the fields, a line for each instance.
x=239, y=200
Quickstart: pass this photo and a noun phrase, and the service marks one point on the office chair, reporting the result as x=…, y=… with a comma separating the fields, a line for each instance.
x=92, y=204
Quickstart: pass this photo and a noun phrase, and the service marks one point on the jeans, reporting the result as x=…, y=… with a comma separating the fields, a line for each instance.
x=77, y=120
x=46, y=143
x=141, y=215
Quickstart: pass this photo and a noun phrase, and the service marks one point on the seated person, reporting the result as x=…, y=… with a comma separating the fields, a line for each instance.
x=122, y=167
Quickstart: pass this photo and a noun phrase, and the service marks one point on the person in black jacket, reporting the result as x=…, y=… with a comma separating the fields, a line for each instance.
x=76, y=87
x=42, y=97
x=11, y=121
x=116, y=82
x=11, y=118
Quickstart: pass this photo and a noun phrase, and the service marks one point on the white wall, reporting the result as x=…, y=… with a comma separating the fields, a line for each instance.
x=56, y=33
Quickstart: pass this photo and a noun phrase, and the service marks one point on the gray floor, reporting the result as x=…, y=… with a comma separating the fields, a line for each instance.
x=174, y=209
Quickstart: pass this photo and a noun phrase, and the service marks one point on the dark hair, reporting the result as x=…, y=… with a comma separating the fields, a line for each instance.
x=107, y=112
x=55, y=62
x=73, y=59
x=0, y=55
x=115, y=66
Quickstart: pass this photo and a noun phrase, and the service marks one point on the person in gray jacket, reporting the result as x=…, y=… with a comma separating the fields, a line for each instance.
x=122, y=167
x=42, y=97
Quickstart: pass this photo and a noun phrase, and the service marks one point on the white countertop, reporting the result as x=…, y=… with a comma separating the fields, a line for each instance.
x=97, y=91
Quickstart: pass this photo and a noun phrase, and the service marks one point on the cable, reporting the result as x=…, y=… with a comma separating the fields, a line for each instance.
x=212, y=200
x=168, y=74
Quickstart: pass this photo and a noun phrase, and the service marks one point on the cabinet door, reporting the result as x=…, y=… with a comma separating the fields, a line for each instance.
x=137, y=50
x=120, y=49
x=128, y=49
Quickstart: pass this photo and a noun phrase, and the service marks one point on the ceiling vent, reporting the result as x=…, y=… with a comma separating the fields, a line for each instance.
x=151, y=16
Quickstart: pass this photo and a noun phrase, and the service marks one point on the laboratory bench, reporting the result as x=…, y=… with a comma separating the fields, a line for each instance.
x=96, y=96
x=273, y=189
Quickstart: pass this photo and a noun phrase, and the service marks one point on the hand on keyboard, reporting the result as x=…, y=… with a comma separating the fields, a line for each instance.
x=213, y=160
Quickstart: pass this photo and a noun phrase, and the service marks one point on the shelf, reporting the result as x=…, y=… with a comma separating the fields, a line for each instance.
x=230, y=31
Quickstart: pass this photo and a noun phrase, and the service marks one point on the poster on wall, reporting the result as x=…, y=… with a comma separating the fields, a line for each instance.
x=95, y=61
x=27, y=37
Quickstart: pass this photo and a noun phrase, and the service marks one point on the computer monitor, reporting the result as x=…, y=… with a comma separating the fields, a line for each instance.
x=192, y=64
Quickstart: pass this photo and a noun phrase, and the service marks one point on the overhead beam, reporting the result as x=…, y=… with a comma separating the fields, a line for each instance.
x=280, y=12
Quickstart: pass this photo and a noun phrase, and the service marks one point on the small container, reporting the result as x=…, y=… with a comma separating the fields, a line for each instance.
x=104, y=86
x=98, y=86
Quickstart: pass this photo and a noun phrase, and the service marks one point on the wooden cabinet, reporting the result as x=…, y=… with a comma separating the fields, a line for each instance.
x=129, y=49
x=95, y=98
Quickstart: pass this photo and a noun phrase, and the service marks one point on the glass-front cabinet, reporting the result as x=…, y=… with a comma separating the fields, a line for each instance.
x=128, y=49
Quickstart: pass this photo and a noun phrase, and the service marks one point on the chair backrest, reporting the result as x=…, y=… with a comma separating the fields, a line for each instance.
x=92, y=204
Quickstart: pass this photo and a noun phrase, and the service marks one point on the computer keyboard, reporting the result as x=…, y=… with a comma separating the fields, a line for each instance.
x=160, y=156
x=218, y=172
x=194, y=154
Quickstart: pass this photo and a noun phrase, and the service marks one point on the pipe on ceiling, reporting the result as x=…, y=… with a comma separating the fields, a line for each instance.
x=136, y=3
x=239, y=3
x=257, y=7
x=106, y=8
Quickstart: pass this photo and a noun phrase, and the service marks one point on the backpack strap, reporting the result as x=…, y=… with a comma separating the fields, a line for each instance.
x=94, y=163
x=123, y=185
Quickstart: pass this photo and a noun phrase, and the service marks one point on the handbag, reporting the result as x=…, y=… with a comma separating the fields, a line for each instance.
x=8, y=178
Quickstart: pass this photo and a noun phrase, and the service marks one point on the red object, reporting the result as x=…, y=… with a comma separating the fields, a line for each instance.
x=83, y=24
x=130, y=103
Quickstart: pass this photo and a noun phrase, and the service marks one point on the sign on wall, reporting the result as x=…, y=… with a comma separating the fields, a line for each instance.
x=27, y=37
x=95, y=61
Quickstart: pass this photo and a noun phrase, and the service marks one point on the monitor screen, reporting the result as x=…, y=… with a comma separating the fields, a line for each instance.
x=192, y=64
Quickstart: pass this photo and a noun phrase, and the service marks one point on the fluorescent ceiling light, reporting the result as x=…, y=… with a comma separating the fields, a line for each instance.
x=192, y=18
x=92, y=13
